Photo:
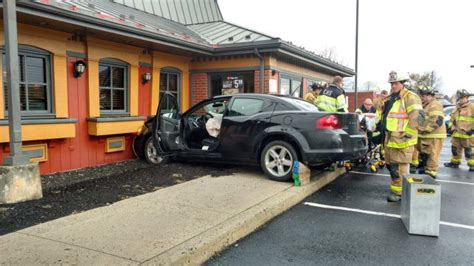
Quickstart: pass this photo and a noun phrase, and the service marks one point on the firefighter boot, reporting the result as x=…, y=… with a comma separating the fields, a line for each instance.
x=422, y=166
x=394, y=198
x=451, y=165
x=395, y=184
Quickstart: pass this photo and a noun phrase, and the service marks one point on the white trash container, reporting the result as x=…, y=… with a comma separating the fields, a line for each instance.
x=421, y=204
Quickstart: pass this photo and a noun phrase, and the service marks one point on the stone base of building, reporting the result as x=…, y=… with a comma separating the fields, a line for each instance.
x=20, y=183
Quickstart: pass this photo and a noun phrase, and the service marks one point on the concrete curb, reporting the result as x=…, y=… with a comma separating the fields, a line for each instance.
x=200, y=248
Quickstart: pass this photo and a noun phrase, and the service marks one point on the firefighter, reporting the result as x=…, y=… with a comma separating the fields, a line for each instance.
x=399, y=131
x=311, y=97
x=462, y=124
x=431, y=132
x=333, y=98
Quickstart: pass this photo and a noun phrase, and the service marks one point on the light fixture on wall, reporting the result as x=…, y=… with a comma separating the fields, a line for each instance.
x=79, y=68
x=146, y=78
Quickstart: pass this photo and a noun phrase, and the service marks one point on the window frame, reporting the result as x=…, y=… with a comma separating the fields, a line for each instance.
x=117, y=64
x=292, y=78
x=172, y=71
x=29, y=51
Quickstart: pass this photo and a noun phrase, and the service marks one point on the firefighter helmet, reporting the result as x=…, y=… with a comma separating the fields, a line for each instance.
x=395, y=76
x=427, y=90
x=462, y=93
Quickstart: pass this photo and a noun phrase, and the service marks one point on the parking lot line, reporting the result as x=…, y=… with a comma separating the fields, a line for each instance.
x=439, y=180
x=324, y=206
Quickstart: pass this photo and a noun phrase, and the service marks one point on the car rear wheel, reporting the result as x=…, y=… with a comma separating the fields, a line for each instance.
x=151, y=155
x=277, y=160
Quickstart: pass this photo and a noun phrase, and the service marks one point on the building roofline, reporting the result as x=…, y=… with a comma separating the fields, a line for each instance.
x=273, y=45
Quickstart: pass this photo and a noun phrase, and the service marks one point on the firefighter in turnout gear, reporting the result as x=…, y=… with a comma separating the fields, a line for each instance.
x=399, y=130
x=333, y=98
x=462, y=124
x=431, y=132
x=311, y=97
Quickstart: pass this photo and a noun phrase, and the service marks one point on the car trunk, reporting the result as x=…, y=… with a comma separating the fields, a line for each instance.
x=350, y=122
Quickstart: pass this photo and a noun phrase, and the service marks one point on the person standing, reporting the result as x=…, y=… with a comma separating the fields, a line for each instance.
x=333, y=98
x=431, y=132
x=316, y=90
x=462, y=124
x=399, y=131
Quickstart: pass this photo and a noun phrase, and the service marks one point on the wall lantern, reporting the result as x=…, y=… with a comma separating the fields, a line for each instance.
x=79, y=68
x=146, y=77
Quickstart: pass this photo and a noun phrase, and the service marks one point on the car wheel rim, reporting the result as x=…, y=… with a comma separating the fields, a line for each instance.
x=278, y=161
x=152, y=154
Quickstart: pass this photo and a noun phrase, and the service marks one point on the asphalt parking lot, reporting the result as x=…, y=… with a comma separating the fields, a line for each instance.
x=310, y=233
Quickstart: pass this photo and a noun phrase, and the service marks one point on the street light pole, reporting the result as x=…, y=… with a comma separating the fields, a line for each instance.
x=356, y=53
x=14, y=113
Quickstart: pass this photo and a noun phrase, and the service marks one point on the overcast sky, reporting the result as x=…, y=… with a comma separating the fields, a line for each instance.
x=404, y=35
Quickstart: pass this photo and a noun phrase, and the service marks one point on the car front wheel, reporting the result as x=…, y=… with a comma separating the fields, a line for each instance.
x=277, y=159
x=151, y=154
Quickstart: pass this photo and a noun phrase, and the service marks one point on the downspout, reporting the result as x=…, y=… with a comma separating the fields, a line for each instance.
x=262, y=70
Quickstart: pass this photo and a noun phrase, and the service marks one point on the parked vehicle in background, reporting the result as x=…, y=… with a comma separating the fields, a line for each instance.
x=252, y=129
x=447, y=115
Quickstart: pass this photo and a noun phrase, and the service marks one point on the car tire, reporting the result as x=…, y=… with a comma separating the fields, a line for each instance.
x=150, y=154
x=277, y=159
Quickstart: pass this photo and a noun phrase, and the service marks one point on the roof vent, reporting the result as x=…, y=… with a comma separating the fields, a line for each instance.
x=247, y=37
x=132, y=17
x=230, y=39
x=123, y=17
x=90, y=5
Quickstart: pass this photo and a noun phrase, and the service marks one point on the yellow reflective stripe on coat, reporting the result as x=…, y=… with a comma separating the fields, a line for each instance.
x=455, y=161
x=462, y=136
x=410, y=131
x=433, y=136
x=465, y=118
x=436, y=113
x=414, y=107
x=326, y=103
x=470, y=162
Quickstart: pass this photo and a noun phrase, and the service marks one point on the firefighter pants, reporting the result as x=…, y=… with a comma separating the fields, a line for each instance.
x=460, y=146
x=431, y=148
x=415, y=160
x=398, y=163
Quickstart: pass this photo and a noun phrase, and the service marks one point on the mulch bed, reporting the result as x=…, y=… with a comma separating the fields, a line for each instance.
x=81, y=190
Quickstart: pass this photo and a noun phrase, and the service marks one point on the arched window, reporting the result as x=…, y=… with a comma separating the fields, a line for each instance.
x=35, y=81
x=113, y=85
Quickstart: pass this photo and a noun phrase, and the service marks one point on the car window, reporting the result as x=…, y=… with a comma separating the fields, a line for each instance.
x=301, y=105
x=214, y=108
x=168, y=108
x=244, y=107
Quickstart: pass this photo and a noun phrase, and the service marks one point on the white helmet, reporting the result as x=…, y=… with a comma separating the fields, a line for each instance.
x=394, y=77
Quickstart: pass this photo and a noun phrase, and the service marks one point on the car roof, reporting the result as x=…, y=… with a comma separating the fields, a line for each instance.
x=257, y=95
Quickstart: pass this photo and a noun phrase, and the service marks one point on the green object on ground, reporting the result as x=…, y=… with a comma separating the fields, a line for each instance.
x=296, y=178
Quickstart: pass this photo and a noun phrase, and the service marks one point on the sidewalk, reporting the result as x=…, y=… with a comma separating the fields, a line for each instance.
x=182, y=224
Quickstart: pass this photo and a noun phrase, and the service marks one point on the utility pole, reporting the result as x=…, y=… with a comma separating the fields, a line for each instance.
x=356, y=53
x=14, y=113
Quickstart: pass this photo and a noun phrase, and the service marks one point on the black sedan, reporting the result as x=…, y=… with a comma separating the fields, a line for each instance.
x=257, y=129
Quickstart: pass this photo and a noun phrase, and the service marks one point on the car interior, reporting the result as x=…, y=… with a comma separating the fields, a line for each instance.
x=202, y=126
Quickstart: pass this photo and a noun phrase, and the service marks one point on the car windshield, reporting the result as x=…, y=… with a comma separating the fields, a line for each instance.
x=302, y=105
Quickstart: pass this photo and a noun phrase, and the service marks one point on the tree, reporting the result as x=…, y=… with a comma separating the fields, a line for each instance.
x=330, y=54
x=431, y=79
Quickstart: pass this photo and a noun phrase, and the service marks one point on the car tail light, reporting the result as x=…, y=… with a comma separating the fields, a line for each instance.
x=328, y=122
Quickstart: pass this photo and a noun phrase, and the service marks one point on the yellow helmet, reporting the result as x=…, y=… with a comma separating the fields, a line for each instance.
x=426, y=90
x=394, y=77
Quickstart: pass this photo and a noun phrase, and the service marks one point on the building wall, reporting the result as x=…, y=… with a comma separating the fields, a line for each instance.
x=199, y=87
x=82, y=140
x=361, y=96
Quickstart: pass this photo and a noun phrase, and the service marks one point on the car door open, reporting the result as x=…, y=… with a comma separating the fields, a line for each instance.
x=167, y=126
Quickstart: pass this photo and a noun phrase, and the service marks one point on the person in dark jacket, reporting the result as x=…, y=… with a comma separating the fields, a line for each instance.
x=333, y=98
x=367, y=107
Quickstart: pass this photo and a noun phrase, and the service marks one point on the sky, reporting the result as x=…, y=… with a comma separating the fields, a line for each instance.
x=402, y=35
